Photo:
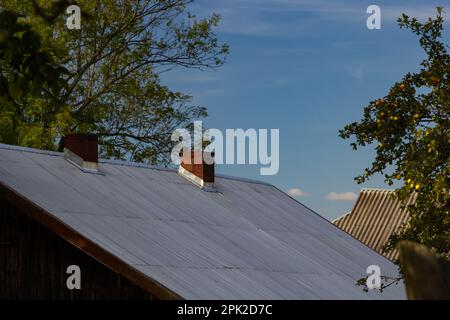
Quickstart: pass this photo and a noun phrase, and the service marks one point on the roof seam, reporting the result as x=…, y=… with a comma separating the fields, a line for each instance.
x=233, y=268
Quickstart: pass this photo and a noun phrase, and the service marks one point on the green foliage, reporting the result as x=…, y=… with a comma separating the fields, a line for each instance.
x=411, y=129
x=26, y=70
x=113, y=86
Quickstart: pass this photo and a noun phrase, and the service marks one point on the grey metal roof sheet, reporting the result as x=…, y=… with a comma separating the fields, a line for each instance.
x=249, y=240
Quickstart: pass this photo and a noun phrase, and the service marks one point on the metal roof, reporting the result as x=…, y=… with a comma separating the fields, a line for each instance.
x=375, y=216
x=248, y=240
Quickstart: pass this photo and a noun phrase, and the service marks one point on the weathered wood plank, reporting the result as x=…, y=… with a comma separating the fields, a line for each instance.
x=427, y=276
x=33, y=263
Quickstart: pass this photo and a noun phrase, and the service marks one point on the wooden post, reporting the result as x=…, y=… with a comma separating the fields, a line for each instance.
x=427, y=275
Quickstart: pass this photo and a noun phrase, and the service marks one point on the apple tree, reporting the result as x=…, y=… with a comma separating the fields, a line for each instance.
x=410, y=129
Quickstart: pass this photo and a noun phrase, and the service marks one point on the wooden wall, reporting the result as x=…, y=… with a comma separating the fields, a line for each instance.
x=33, y=263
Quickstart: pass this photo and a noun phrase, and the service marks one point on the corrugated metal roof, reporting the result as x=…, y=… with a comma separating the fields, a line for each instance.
x=375, y=216
x=246, y=241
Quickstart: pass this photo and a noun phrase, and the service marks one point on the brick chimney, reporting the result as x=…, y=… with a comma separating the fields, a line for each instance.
x=82, y=150
x=200, y=173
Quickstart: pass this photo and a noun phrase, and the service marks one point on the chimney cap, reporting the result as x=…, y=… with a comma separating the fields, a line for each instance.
x=82, y=150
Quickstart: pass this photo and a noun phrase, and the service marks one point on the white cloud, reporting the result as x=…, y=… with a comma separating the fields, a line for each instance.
x=421, y=12
x=341, y=196
x=208, y=93
x=296, y=192
x=357, y=73
x=256, y=17
x=197, y=77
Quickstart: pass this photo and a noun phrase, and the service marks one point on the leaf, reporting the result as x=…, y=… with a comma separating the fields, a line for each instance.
x=14, y=91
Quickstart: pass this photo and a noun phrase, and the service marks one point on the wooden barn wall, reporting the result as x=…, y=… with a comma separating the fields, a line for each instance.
x=33, y=263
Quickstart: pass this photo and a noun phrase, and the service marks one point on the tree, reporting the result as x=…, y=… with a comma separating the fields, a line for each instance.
x=25, y=69
x=411, y=129
x=113, y=84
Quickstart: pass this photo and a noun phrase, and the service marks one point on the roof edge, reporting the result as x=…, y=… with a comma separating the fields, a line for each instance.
x=86, y=245
x=330, y=222
x=341, y=217
x=31, y=150
x=377, y=189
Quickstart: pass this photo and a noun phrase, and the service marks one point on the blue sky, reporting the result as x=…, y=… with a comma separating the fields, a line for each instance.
x=306, y=67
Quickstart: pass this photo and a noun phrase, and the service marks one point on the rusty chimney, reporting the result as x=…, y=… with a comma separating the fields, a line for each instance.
x=82, y=150
x=194, y=168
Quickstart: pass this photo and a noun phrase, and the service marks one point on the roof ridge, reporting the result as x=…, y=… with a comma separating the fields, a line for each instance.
x=29, y=149
x=125, y=163
x=341, y=217
x=377, y=189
